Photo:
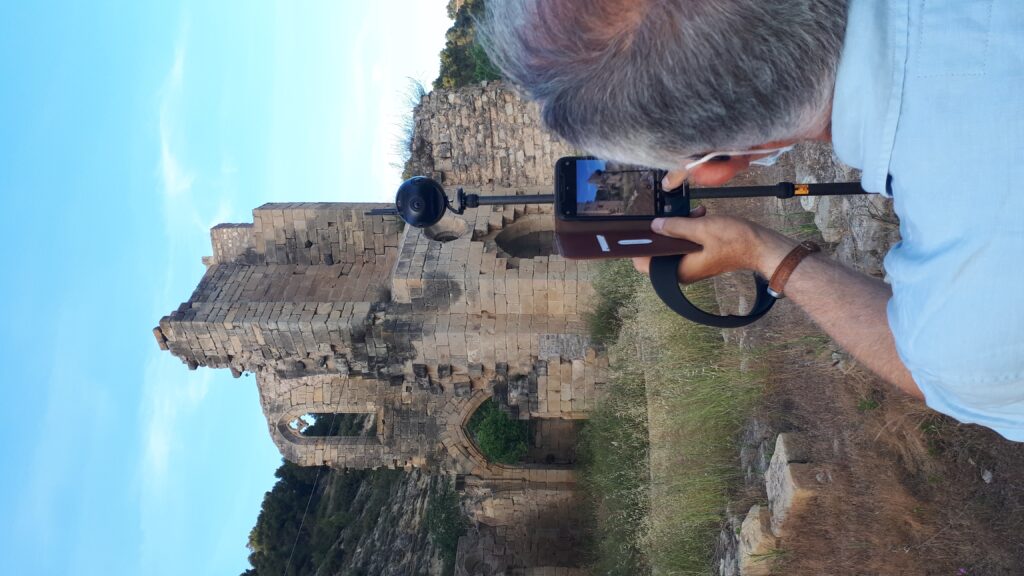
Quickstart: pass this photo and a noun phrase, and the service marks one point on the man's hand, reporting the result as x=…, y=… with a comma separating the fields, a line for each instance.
x=729, y=244
x=848, y=305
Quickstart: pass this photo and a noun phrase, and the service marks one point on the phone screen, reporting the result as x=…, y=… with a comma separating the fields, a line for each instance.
x=610, y=189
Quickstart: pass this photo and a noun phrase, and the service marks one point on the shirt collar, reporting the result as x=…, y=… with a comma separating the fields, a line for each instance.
x=869, y=88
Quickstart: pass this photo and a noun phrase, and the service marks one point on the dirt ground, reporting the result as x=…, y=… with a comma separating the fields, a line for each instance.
x=906, y=491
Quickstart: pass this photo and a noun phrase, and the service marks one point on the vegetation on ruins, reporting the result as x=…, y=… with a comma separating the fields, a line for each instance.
x=657, y=454
x=499, y=437
x=415, y=91
x=463, y=60
x=446, y=524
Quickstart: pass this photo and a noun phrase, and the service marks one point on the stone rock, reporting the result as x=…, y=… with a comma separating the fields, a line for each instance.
x=519, y=391
x=727, y=550
x=791, y=447
x=862, y=228
x=755, y=452
x=463, y=388
x=756, y=542
x=790, y=483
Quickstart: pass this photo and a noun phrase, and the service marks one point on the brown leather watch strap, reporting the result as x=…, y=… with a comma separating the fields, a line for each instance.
x=788, y=264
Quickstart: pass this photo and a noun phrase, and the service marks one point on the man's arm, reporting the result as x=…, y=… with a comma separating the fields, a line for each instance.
x=849, y=306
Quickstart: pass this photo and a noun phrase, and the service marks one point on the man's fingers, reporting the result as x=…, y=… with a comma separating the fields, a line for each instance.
x=685, y=228
x=673, y=180
x=643, y=265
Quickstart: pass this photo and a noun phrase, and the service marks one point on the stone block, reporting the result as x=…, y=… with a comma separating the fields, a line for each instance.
x=791, y=486
x=756, y=543
x=463, y=388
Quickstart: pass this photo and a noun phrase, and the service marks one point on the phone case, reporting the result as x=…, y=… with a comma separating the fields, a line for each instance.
x=580, y=240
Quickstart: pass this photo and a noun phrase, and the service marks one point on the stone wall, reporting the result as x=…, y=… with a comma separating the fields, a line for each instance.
x=484, y=135
x=336, y=312
x=514, y=528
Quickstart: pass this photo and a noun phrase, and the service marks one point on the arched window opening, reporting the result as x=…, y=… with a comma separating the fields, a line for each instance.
x=320, y=425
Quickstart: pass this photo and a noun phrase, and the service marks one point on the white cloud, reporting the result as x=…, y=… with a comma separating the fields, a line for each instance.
x=167, y=395
x=176, y=179
x=182, y=217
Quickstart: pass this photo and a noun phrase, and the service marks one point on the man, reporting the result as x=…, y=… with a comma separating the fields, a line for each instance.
x=925, y=97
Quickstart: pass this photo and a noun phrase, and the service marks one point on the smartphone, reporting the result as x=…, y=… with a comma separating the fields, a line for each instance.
x=604, y=209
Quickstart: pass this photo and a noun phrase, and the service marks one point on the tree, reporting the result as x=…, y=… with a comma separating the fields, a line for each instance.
x=463, y=60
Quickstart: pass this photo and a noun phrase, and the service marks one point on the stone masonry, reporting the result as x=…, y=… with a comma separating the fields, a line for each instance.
x=338, y=312
x=485, y=136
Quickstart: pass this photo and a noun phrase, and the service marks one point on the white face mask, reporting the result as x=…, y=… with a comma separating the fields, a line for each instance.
x=772, y=157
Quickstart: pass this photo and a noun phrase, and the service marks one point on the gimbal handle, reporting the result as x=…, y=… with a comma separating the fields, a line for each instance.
x=664, y=270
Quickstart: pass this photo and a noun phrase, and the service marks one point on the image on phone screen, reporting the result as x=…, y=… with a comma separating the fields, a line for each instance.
x=605, y=188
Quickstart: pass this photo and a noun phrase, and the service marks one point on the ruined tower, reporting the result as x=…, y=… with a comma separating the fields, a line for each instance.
x=337, y=312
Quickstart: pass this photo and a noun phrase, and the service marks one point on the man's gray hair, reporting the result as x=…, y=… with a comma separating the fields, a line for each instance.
x=653, y=81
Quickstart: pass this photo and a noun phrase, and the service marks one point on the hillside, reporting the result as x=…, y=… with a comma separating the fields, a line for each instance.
x=359, y=522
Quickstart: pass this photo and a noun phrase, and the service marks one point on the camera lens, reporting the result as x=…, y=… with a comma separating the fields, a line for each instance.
x=421, y=202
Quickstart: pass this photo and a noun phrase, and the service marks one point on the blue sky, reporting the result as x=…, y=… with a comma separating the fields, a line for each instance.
x=128, y=129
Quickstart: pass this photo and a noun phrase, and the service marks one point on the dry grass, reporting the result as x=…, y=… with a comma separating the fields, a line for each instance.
x=907, y=493
x=698, y=397
x=659, y=452
x=613, y=442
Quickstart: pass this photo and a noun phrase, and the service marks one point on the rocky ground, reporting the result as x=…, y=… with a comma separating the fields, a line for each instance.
x=898, y=488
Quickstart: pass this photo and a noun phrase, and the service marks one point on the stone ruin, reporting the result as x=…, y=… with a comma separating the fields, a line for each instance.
x=337, y=312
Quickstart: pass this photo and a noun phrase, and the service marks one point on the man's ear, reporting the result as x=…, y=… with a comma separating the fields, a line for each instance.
x=718, y=173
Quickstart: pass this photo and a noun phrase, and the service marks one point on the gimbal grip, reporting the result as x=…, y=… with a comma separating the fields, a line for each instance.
x=664, y=278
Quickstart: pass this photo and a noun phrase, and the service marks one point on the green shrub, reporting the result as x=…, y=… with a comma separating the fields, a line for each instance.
x=499, y=437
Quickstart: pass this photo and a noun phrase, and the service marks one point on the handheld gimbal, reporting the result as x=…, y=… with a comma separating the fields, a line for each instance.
x=421, y=202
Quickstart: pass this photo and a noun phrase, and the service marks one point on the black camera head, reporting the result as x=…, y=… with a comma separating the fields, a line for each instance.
x=421, y=202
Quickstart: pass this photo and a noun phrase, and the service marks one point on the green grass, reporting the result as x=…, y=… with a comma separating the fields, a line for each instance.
x=660, y=451
x=613, y=453
x=616, y=283
x=867, y=404
x=800, y=225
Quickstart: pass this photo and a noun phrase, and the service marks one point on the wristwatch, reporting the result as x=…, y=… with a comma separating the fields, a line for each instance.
x=788, y=264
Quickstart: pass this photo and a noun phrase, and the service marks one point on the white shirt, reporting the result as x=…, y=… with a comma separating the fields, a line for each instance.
x=932, y=94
